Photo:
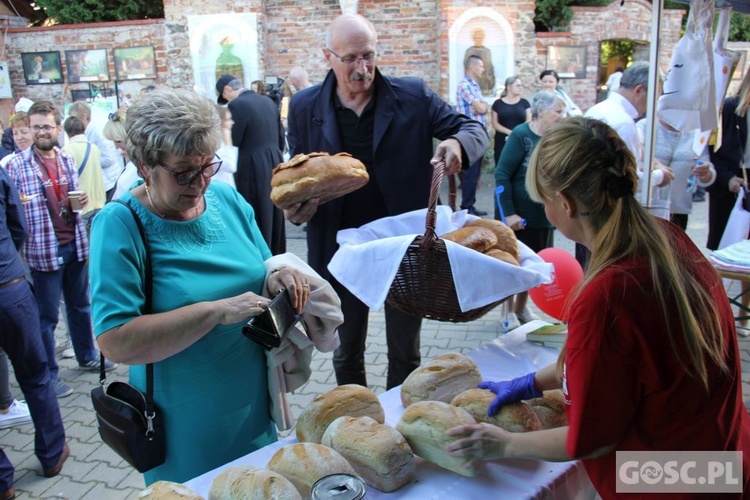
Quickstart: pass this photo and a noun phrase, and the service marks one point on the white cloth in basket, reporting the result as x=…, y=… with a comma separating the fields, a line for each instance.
x=369, y=256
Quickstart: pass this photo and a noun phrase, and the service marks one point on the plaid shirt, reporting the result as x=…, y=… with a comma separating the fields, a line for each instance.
x=469, y=91
x=40, y=248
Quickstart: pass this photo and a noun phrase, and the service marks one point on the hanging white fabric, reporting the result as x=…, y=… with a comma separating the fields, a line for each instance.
x=689, y=89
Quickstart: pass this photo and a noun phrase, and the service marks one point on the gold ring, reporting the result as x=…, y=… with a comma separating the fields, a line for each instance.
x=305, y=286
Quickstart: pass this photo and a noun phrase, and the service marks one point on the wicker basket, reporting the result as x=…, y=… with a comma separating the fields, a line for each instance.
x=423, y=285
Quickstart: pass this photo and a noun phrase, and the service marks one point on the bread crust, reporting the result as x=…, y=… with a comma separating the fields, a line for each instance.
x=476, y=238
x=506, y=238
x=168, y=490
x=316, y=175
x=441, y=379
x=514, y=417
x=502, y=255
x=345, y=400
x=305, y=463
x=550, y=409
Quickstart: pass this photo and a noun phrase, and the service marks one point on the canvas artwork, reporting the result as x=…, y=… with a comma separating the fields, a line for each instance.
x=135, y=63
x=41, y=67
x=568, y=61
x=223, y=45
x=87, y=65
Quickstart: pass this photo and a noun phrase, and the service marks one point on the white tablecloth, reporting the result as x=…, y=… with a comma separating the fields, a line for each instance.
x=506, y=357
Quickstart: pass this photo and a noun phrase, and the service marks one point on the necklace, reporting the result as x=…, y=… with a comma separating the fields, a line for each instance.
x=151, y=202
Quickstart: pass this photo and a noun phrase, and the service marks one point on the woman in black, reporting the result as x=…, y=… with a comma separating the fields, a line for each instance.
x=509, y=111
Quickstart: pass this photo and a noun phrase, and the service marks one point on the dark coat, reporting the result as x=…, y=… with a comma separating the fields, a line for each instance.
x=259, y=137
x=408, y=115
x=726, y=160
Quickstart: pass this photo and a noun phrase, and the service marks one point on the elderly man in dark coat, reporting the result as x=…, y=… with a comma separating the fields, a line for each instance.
x=259, y=137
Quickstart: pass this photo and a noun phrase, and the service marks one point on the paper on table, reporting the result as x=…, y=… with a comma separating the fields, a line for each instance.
x=369, y=256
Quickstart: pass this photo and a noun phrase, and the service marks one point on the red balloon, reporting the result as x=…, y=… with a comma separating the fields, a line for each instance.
x=568, y=273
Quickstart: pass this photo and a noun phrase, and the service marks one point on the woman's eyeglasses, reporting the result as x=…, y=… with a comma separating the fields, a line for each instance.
x=188, y=177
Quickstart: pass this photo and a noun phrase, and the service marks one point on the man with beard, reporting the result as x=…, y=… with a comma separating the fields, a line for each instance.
x=57, y=247
x=388, y=124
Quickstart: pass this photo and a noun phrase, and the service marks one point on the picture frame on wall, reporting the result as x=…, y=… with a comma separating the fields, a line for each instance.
x=135, y=63
x=41, y=67
x=568, y=60
x=87, y=65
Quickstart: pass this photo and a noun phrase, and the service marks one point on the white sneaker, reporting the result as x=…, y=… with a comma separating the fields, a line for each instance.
x=511, y=322
x=526, y=315
x=18, y=413
x=68, y=353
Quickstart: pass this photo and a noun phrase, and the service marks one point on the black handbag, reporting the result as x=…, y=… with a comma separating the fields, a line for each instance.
x=129, y=421
x=269, y=327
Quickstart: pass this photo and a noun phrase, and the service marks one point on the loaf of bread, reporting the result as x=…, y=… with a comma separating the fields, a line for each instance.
x=424, y=426
x=221, y=487
x=262, y=484
x=514, y=417
x=167, y=490
x=441, y=379
x=305, y=463
x=345, y=400
x=379, y=454
x=476, y=238
x=316, y=175
x=550, y=409
x=502, y=255
x=506, y=238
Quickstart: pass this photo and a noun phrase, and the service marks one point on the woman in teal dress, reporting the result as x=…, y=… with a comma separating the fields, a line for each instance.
x=207, y=258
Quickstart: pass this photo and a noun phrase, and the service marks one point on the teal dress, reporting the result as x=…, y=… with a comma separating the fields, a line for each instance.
x=214, y=394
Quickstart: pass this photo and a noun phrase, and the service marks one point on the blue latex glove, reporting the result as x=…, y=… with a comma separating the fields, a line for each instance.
x=510, y=391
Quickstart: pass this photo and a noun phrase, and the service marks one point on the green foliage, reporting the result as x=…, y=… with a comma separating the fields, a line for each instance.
x=591, y=3
x=739, y=28
x=96, y=11
x=552, y=15
x=617, y=48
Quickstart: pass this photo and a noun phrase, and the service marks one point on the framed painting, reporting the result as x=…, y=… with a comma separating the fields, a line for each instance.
x=41, y=67
x=569, y=61
x=87, y=65
x=135, y=63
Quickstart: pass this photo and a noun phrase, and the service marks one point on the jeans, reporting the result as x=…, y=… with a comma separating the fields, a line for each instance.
x=6, y=398
x=402, y=336
x=22, y=343
x=72, y=280
x=469, y=185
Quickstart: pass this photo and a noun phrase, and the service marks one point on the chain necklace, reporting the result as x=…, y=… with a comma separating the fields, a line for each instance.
x=151, y=202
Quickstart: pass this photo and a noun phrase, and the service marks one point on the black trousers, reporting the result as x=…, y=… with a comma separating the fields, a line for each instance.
x=402, y=338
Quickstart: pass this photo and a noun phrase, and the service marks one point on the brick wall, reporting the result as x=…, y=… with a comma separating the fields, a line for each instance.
x=413, y=40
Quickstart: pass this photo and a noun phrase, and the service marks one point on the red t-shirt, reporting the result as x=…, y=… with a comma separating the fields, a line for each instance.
x=624, y=385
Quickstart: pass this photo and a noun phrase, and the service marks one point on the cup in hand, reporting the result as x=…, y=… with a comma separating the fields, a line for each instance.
x=75, y=200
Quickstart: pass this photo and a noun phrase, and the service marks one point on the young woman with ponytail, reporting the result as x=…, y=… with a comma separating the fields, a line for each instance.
x=651, y=361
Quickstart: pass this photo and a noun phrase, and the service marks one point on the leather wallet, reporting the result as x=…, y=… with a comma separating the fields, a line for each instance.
x=269, y=327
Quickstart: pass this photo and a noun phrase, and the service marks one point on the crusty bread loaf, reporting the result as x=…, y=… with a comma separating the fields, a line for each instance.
x=441, y=379
x=167, y=490
x=424, y=425
x=221, y=487
x=262, y=484
x=305, y=463
x=316, y=175
x=378, y=453
x=550, y=409
x=502, y=255
x=345, y=400
x=514, y=417
x=506, y=238
x=476, y=238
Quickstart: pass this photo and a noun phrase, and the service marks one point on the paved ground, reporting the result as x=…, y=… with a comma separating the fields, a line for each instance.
x=94, y=472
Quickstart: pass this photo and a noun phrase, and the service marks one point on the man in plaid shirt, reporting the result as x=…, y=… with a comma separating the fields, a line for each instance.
x=57, y=247
x=469, y=102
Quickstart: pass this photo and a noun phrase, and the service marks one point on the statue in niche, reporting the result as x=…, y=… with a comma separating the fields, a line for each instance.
x=227, y=63
x=487, y=81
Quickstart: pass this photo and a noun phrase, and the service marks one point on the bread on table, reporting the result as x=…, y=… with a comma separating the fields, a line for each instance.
x=246, y=482
x=424, y=425
x=441, y=379
x=221, y=486
x=506, y=238
x=167, y=490
x=305, y=463
x=550, y=409
x=514, y=417
x=476, y=238
x=316, y=175
x=350, y=400
x=379, y=454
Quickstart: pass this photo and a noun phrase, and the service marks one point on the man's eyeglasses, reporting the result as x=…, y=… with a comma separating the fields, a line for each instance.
x=353, y=60
x=115, y=117
x=46, y=128
x=188, y=177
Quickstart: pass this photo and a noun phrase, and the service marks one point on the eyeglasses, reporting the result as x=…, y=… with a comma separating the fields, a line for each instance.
x=115, y=117
x=188, y=177
x=354, y=60
x=46, y=128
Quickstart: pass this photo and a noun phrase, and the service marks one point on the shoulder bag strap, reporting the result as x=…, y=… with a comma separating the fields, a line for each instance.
x=147, y=291
x=85, y=159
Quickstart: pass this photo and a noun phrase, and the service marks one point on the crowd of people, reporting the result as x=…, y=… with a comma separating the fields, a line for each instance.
x=196, y=174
